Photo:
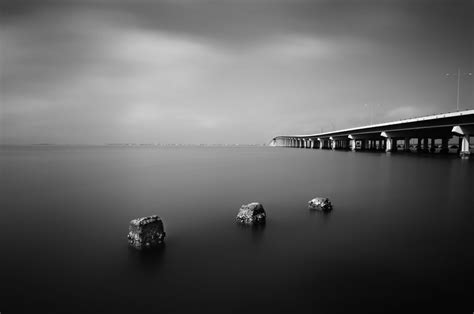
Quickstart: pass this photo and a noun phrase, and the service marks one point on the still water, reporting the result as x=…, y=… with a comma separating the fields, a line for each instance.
x=400, y=236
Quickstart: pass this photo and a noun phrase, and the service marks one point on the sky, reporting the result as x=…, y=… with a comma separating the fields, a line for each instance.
x=192, y=72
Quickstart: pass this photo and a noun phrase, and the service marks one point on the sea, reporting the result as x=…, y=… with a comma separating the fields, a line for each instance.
x=400, y=236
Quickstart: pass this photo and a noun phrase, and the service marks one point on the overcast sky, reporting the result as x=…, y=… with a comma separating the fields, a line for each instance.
x=93, y=72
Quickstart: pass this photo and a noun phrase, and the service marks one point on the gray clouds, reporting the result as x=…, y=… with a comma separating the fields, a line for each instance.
x=223, y=72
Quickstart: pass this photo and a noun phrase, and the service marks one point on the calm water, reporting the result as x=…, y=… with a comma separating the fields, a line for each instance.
x=400, y=236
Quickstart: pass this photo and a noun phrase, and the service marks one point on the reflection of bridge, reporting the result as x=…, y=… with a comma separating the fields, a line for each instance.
x=387, y=136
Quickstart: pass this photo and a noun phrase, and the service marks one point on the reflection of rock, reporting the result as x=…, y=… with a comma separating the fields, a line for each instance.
x=320, y=203
x=146, y=232
x=252, y=213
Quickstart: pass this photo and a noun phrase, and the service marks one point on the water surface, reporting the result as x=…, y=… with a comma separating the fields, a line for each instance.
x=400, y=235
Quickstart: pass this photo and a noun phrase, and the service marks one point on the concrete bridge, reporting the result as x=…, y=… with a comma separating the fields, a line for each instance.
x=431, y=133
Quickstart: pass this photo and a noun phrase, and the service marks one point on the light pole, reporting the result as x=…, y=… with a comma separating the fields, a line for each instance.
x=371, y=108
x=468, y=74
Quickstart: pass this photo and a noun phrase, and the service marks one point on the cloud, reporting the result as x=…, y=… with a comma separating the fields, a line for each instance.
x=239, y=72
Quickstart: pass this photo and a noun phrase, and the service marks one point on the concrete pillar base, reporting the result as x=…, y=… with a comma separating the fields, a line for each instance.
x=388, y=145
x=352, y=145
x=465, y=147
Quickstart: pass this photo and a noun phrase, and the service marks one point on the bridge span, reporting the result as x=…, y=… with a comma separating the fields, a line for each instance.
x=434, y=133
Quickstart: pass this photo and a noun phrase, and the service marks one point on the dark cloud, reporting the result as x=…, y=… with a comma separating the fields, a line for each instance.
x=227, y=71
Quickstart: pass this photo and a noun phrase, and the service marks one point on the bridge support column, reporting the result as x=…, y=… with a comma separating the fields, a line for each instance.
x=444, y=145
x=425, y=145
x=333, y=144
x=352, y=144
x=388, y=145
x=433, y=145
x=418, y=146
x=394, y=144
x=406, y=147
x=465, y=147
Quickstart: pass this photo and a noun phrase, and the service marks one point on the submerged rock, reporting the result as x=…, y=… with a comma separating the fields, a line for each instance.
x=320, y=203
x=146, y=232
x=252, y=213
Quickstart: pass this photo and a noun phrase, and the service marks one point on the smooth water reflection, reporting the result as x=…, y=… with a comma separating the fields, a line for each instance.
x=400, y=234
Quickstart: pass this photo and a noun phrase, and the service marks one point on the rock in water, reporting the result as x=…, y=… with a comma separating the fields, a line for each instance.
x=320, y=203
x=251, y=213
x=146, y=232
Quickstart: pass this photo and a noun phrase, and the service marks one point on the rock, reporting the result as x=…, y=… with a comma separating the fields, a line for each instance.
x=146, y=232
x=320, y=203
x=252, y=213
